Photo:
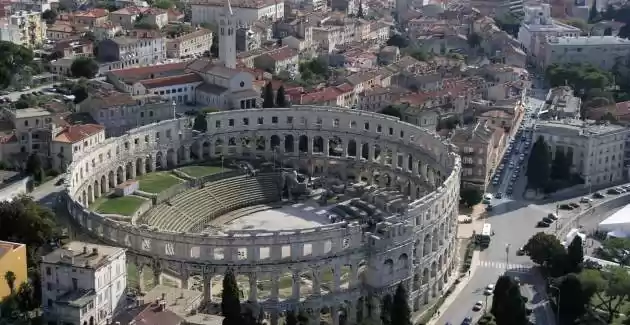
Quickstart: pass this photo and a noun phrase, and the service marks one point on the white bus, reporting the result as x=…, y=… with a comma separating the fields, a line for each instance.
x=486, y=232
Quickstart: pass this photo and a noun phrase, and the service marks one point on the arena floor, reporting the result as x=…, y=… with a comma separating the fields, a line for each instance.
x=296, y=216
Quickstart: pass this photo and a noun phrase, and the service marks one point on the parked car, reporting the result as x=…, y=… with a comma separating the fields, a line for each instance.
x=547, y=220
x=598, y=195
x=521, y=251
x=542, y=224
x=586, y=200
x=574, y=205
x=552, y=216
x=613, y=191
x=478, y=306
x=566, y=206
x=489, y=290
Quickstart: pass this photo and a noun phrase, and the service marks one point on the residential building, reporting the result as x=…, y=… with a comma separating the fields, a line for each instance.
x=83, y=283
x=12, y=259
x=480, y=146
x=538, y=25
x=189, y=45
x=601, y=51
x=92, y=17
x=106, y=30
x=279, y=60
x=73, y=140
x=32, y=129
x=128, y=17
x=63, y=30
x=595, y=150
x=24, y=28
x=125, y=51
x=342, y=96
x=246, y=12
x=119, y=112
x=560, y=103
x=349, y=7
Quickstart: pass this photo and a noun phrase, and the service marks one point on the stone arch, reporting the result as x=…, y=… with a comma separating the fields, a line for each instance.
x=303, y=144
x=97, y=189
x=441, y=261
x=389, y=157
x=274, y=142
x=90, y=194
x=318, y=144
x=129, y=170
x=365, y=151
x=206, y=150
x=120, y=175
x=387, y=180
x=435, y=236
x=352, y=148
x=433, y=269
x=159, y=158
x=442, y=233
x=232, y=141
x=112, y=179
x=425, y=275
x=139, y=165
x=361, y=269
x=171, y=158
x=427, y=245
x=335, y=146
x=289, y=143
x=103, y=184
x=389, y=266
x=261, y=143
x=196, y=150
x=416, y=282
x=409, y=166
x=377, y=153
x=84, y=198
x=403, y=261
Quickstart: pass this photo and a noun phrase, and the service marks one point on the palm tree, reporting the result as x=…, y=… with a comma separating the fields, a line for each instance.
x=10, y=278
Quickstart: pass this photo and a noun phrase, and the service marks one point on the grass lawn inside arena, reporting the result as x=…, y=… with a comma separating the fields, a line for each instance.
x=124, y=205
x=199, y=171
x=157, y=182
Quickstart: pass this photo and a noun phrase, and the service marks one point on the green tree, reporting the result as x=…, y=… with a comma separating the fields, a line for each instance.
x=575, y=254
x=386, y=309
x=401, y=315
x=360, y=13
x=615, y=249
x=471, y=196
x=570, y=298
x=611, y=286
x=508, y=305
x=163, y=4
x=281, y=99
x=487, y=319
x=542, y=248
x=200, y=124
x=34, y=167
x=268, y=96
x=230, y=301
x=9, y=277
x=50, y=16
x=14, y=58
x=560, y=166
x=538, y=177
x=84, y=67
x=398, y=40
x=392, y=111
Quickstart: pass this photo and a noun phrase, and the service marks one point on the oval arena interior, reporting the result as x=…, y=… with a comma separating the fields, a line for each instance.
x=314, y=208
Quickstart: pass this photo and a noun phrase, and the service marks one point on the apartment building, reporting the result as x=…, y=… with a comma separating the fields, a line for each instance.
x=279, y=60
x=538, y=25
x=12, y=259
x=189, y=45
x=127, y=17
x=596, y=151
x=92, y=17
x=83, y=284
x=246, y=12
x=72, y=140
x=125, y=51
x=600, y=51
x=24, y=28
x=480, y=146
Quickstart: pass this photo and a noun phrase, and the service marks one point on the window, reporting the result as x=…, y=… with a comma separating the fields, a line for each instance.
x=261, y=120
x=274, y=119
x=245, y=121
x=366, y=126
x=231, y=122
x=217, y=124
x=48, y=271
x=289, y=119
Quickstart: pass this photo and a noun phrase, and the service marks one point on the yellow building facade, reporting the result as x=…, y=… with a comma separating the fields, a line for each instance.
x=12, y=258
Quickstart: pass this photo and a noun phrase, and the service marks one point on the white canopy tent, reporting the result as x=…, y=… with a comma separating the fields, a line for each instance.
x=618, y=224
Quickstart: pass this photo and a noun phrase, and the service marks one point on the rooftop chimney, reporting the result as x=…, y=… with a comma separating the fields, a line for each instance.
x=95, y=251
x=85, y=249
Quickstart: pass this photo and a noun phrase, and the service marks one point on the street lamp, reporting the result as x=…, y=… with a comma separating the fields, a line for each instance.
x=507, y=256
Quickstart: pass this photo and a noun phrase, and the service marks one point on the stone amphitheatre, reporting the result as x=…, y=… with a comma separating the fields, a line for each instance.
x=314, y=208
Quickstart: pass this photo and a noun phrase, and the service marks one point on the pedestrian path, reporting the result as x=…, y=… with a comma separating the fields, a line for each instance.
x=502, y=266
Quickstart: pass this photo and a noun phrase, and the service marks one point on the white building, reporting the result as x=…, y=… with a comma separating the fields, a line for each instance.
x=596, y=151
x=246, y=12
x=600, y=51
x=83, y=284
x=538, y=25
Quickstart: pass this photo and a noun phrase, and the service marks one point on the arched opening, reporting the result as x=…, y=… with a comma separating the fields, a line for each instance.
x=90, y=194
x=171, y=158
x=261, y=143
x=403, y=261
x=416, y=282
x=103, y=184
x=288, y=143
x=232, y=141
x=352, y=148
x=195, y=150
x=318, y=144
x=425, y=276
x=274, y=142
x=205, y=150
x=427, y=245
x=158, y=160
x=120, y=174
x=129, y=170
x=218, y=146
x=435, y=239
x=409, y=162
x=181, y=154
x=97, y=189
x=91, y=320
x=303, y=144
x=365, y=151
x=335, y=147
x=377, y=153
x=389, y=266
x=433, y=270
x=112, y=179
x=139, y=165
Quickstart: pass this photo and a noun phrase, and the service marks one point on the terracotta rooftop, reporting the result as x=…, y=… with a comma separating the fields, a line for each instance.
x=92, y=13
x=171, y=81
x=76, y=133
x=141, y=71
x=282, y=54
x=256, y=4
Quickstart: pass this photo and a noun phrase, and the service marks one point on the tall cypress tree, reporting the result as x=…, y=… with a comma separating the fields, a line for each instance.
x=593, y=13
x=291, y=318
x=230, y=302
x=401, y=314
x=386, y=309
x=508, y=305
x=538, y=169
x=575, y=253
x=268, y=98
x=281, y=100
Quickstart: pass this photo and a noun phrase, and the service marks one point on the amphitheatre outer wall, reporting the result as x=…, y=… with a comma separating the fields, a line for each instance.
x=416, y=246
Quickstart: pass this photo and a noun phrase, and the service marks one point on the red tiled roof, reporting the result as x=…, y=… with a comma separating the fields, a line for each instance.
x=148, y=70
x=171, y=81
x=92, y=13
x=320, y=96
x=76, y=133
x=282, y=54
x=8, y=138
